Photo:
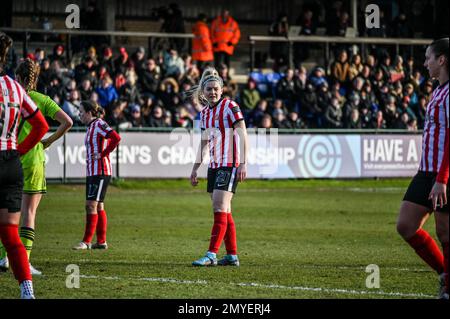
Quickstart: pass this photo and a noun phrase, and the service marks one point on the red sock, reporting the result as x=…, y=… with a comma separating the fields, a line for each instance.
x=230, y=236
x=428, y=250
x=101, y=227
x=445, y=248
x=91, y=225
x=17, y=254
x=218, y=231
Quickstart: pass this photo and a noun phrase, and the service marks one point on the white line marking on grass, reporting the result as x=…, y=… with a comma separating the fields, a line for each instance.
x=334, y=290
x=169, y=280
x=268, y=286
x=376, y=190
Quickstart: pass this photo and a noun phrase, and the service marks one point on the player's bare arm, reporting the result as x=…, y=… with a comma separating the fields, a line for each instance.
x=243, y=136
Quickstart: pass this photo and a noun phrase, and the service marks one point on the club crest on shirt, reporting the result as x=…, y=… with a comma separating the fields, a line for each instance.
x=104, y=126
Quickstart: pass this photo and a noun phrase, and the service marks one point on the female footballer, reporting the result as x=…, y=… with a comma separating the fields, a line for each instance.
x=100, y=141
x=14, y=104
x=33, y=162
x=225, y=134
x=428, y=191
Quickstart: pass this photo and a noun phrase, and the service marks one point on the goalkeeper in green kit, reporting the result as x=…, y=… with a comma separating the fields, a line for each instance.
x=33, y=162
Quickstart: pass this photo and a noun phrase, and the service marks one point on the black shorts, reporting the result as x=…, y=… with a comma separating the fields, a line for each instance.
x=223, y=178
x=419, y=189
x=96, y=187
x=11, y=181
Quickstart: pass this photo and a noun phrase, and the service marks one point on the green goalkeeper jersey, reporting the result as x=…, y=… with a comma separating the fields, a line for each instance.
x=49, y=109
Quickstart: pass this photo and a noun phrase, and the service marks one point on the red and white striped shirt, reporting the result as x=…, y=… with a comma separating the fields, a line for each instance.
x=95, y=142
x=14, y=102
x=223, y=139
x=435, y=149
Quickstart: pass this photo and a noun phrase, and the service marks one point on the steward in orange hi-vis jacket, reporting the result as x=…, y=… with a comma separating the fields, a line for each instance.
x=202, y=50
x=225, y=35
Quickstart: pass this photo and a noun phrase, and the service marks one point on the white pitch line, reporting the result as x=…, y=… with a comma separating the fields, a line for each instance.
x=169, y=280
x=376, y=190
x=334, y=290
x=268, y=286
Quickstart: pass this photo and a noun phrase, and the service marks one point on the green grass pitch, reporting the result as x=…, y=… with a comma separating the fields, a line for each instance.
x=296, y=239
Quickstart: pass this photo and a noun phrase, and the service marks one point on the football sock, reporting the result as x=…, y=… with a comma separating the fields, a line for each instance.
x=17, y=254
x=428, y=250
x=27, y=238
x=230, y=236
x=101, y=227
x=91, y=225
x=445, y=248
x=218, y=231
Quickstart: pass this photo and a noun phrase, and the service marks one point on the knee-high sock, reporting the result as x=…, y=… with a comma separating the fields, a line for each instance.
x=17, y=254
x=230, y=236
x=101, y=227
x=428, y=250
x=91, y=225
x=27, y=237
x=445, y=248
x=218, y=231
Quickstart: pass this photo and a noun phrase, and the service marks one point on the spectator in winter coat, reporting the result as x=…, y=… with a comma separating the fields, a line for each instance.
x=107, y=94
x=202, y=50
x=333, y=115
x=225, y=35
x=249, y=97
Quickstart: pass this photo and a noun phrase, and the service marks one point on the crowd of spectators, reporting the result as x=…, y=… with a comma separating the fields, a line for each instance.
x=355, y=93
x=136, y=90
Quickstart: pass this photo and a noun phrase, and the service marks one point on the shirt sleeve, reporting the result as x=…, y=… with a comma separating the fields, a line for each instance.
x=51, y=108
x=28, y=106
x=234, y=112
x=443, y=173
x=103, y=128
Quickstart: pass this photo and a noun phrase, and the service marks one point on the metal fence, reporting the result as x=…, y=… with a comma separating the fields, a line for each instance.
x=327, y=41
x=253, y=40
x=69, y=34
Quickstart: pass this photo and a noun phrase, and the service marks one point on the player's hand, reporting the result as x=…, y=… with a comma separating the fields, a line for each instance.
x=46, y=143
x=242, y=172
x=438, y=195
x=194, y=180
x=96, y=156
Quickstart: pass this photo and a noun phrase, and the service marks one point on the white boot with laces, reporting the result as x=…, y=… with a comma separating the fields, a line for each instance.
x=26, y=290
